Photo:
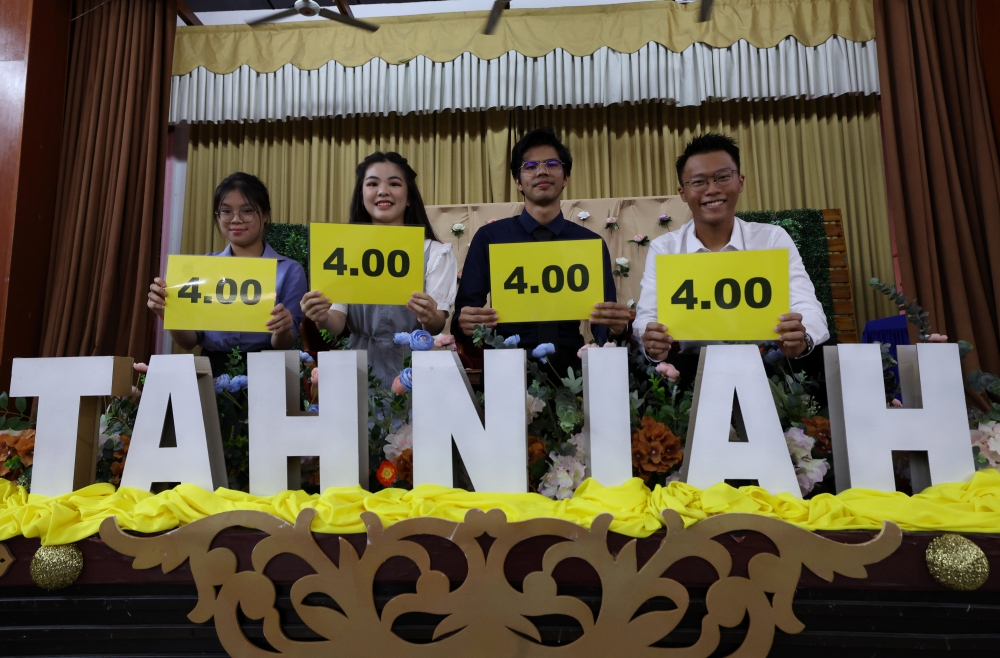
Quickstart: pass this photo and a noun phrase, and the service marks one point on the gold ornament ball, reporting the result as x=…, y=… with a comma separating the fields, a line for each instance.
x=958, y=563
x=55, y=567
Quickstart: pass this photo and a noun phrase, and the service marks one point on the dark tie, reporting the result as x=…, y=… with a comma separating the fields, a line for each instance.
x=548, y=332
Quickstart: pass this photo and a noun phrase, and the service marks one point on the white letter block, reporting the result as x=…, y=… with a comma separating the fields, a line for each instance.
x=185, y=381
x=444, y=407
x=66, y=426
x=607, y=430
x=933, y=419
x=281, y=433
x=711, y=457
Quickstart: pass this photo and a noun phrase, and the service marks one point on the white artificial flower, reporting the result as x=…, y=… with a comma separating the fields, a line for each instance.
x=563, y=477
x=631, y=303
x=535, y=406
x=583, y=214
x=458, y=229
x=577, y=442
x=810, y=472
x=396, y=443
x=800, y=444
x=622, y=261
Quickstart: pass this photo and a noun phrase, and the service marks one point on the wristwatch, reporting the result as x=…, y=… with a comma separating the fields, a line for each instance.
x=809, y=347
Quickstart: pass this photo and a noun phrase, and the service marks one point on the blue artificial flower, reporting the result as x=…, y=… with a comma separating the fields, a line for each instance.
x=512, y=341
x=774, y=355
x=237, y=384
x=406, y=378
x=305, y=358
x=402, y=338
x=221, y=382
x=543, y=351
x=313, y=407
x=421, y=341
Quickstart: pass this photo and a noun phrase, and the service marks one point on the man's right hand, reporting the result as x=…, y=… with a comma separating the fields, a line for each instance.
x=471, y=316
x=315, y=305
x=657, y=341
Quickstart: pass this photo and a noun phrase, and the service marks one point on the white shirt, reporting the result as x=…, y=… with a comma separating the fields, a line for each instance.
x=440, y=276
x=746, y=236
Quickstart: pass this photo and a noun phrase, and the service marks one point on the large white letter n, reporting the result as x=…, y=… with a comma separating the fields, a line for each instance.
x=444, y=407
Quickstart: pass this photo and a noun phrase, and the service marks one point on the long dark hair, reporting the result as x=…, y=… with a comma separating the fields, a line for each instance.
x=415, y=214
x=252, y=189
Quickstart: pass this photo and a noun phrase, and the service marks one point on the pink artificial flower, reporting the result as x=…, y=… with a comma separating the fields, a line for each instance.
x=639, y=238
x=579, y=352
x=667, y=370
x=611, y=220
x=397, y=386
x=896, y=403
x=609, y=344
x=937, y=338
x=140, y=367
x=490, y=221
x=314, y=376
x=444, y=340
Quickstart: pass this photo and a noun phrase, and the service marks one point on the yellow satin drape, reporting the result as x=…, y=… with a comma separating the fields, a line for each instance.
x=532, y=32
x=823, y=153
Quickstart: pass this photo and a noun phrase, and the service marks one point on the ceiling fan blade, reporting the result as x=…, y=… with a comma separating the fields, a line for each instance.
x=705, y=13
x=491, y=22
x=347, y=20
x=270, y=18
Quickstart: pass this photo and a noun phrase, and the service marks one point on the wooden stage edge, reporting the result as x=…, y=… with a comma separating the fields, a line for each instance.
x=113, y=609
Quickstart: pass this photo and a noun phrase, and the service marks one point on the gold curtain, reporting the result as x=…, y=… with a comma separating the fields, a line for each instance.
x=824, y=153
x=532, y=32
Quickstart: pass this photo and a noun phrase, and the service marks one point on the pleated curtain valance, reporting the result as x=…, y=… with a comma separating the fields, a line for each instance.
x=579, y=31
x=653, y=73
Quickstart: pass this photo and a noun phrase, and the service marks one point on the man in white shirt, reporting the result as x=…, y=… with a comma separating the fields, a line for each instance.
x=711, y=183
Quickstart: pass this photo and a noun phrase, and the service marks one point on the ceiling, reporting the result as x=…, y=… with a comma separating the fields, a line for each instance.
x=242, y=5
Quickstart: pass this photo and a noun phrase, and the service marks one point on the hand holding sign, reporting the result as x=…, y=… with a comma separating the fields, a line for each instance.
x=547, y=281
x=218, y=293
x=736, y=295
x=366, y=264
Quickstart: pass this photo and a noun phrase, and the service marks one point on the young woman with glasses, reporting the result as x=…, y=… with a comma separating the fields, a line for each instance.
x=242, y=209
x=386, y=194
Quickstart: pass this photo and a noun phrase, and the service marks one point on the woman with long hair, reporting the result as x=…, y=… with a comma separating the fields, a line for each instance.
x=386, y=194
x=242, y=209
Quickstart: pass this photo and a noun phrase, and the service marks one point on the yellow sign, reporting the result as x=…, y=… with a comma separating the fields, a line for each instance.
x=733, y=295
x=366, y=264
x=546, y=281
x=220, y=293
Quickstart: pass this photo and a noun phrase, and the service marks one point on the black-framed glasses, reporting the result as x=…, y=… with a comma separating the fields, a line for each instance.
x=246, y=215
x=721, y=177
x=533, y=166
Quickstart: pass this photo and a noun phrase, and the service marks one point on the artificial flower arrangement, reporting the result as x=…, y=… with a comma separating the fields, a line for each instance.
x=611, y=223
x=457, y=229
x=623, y=266
x=17, y=441
x=583, y=215
x=664, y=221
x=641, y=240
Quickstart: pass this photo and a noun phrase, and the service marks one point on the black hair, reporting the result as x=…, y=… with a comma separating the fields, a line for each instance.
x=708, y=143
x=252, y=189
x=539, y=137
x=415, y=214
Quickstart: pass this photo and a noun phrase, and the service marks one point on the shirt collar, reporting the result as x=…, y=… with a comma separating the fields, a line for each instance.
x=530, y=223
x=268, y=252
x=736, y=239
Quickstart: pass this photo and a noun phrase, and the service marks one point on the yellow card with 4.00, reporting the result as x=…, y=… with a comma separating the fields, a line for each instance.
x=546, y=281
x=731, y=295
x=219, y=293
x=366, y=264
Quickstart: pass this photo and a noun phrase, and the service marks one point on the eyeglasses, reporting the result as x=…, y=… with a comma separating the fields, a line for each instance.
x=721, y=177
x=247, y=215
x=533, y=167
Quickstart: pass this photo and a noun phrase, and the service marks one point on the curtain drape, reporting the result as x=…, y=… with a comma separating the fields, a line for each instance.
x=942, y=168
x=823, y=153
x=106, y=235
x=513, y=80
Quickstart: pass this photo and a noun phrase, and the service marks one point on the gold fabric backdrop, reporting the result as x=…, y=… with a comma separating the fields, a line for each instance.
x=823, y=153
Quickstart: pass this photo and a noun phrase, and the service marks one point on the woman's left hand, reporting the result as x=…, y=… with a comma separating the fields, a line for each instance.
x=281, y=320
x=424, y=307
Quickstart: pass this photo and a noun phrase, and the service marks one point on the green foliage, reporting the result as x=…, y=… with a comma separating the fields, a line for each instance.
x=805, y=226
x=990, y=385
x=915, y=314
x=333, y=341
x=483, y=337
x=16, y=419
x=291, y=241
x=234, y=424
x=792, y=397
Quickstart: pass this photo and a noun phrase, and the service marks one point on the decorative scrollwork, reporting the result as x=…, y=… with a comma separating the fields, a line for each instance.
x=6, y=559
x=485, y=615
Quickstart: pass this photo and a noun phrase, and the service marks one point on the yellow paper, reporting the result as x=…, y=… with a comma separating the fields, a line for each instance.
x=732, y=295
x=220, y=293
x=366, y=264
x=546, y=281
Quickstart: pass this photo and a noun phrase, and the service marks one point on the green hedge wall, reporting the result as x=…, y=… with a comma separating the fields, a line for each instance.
x=805, y=226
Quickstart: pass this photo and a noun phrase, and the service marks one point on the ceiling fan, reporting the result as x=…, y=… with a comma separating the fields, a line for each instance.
x=311, y=8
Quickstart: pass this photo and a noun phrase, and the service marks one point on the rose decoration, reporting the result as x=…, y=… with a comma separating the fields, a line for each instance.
x=664, y=221
x=611, y=223
x=421, y=341
x=457, y=229
x=237, y=383
x=221, y=382
x=543, y=351
x=584, y=215
x=641, y=240
x=444, y=340
x=406, y=378
x=667, y=370
x=512, y=341
x=623, y=266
